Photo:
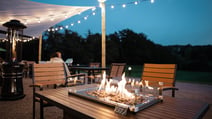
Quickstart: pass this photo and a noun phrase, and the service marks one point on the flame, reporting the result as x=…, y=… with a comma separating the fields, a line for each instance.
x=147, y=85
x=120, y=90
x=103, y=82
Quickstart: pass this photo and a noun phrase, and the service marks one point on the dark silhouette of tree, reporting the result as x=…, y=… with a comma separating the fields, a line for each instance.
x=73, y=47
x=114, y=48
x=93, y=47
x=30, y=50
x=137, y=49
x=53, y=41
x=122, y=46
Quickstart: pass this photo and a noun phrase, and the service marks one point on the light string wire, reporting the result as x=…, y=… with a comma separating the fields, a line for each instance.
x=17, y=39
x=93, y=12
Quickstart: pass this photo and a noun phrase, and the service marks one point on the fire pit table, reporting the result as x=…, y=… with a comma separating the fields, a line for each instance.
x=120, y=95
x=134, y=102
x=76, y=107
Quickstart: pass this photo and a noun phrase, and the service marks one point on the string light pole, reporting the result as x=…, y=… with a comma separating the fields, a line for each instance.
x=102, y=5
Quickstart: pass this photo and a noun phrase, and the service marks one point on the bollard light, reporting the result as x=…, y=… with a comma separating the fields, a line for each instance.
x=129, y=71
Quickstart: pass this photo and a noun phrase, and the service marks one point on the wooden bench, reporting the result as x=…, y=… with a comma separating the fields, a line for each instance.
x=51, y=75
x=45, y=76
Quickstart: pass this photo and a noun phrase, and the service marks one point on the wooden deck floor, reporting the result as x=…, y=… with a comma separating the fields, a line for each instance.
x=22, y=109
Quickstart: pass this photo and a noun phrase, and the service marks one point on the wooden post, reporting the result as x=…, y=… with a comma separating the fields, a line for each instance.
x=102, y=4
x=40, y=48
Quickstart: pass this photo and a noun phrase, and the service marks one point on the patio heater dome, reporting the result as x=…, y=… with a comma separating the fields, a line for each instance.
x=15, y=24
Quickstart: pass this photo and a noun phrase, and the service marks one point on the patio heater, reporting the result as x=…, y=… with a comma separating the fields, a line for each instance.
x=12, y=69
x=14, y=36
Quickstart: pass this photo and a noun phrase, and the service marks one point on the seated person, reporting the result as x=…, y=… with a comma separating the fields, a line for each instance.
x=57, y=58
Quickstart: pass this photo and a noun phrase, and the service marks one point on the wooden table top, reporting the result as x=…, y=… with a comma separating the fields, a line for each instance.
x=175, y=108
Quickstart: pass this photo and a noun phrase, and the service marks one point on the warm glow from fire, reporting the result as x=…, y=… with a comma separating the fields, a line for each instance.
x=122, y=94
x=118, y=90
x=147, y=85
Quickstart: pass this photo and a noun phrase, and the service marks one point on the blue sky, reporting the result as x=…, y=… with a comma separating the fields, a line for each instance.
x=165, y=22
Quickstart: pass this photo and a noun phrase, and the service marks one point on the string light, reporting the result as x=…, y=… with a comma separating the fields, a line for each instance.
x=86, y=18
x=25, y=21
x=93, y=9
x=52, y=19
x=38, y=19
x=112, y=6
x=93, y=12
x=66, y=16
x=24, y=39
x=124, y=5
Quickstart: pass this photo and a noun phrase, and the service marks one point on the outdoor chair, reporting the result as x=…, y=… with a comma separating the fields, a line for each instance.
x=96, y=73
x=28, y=68
x=116, y=72
x=160, y=75
x=48, y=75
x=94, y=64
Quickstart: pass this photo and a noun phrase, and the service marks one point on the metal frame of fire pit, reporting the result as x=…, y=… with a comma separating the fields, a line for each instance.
x=133, y=108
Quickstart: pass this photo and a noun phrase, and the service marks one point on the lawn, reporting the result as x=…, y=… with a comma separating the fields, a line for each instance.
x=182, y=76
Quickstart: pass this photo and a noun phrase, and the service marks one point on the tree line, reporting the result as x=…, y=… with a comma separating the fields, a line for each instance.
x=122, y=46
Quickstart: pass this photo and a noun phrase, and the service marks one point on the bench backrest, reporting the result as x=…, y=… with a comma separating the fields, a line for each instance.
x=155, y=73
x=49, y=74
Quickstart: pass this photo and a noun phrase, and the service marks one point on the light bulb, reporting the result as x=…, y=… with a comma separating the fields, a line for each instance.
x=112, y=6
x=124, y=5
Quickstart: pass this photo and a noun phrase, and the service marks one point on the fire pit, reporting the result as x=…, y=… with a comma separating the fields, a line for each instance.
x=130, y=97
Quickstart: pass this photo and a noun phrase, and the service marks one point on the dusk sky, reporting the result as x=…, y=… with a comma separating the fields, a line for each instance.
x=165, y=22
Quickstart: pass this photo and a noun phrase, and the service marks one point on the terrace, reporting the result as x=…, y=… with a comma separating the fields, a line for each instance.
x=22, y=108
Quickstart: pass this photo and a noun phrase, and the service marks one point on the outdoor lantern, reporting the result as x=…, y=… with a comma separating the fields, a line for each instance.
x=14, y=36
